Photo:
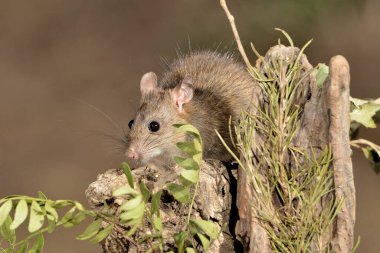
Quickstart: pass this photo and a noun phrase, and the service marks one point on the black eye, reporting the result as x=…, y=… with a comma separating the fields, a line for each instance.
x=130, y=124
x=154, y=126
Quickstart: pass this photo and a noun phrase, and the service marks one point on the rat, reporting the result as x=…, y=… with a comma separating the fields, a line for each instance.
x=202, y=88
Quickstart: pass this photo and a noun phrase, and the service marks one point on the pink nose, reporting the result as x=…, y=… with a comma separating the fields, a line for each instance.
x=132, y=154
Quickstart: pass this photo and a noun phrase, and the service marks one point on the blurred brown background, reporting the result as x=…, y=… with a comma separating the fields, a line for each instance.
x=62, y=62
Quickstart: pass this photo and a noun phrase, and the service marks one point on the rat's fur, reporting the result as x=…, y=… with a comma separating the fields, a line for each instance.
x=220, y=88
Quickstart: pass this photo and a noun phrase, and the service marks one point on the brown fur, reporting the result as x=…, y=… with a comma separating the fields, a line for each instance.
x=222, y=89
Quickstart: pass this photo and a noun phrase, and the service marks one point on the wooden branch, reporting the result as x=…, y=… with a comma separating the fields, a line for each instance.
x=339, y=102
x=236, y=34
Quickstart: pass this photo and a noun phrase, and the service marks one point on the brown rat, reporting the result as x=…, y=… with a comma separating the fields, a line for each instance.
x=202, y=88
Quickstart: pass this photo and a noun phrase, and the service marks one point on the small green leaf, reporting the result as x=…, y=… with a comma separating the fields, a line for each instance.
x=190, y=175
x=187, y=128
x=68, y=216
x=204, y=241
x=124, y=190
x=133, y=216
x=75, y=220
x=144, y=191
x=180, y=240
x=128, y=173
x=157, y=223
x=21, y=213
x=187, y=147
x=373, y=156
x=51, y=212
x=190, y=250
x=179, y=192
x=322, y=71
x=36, y=218
x=198, y=158
x=51, y=224
x=131, y=204
x=79, y=206
x=189, y=164
x=41, y=195
x=23, y=247
x=5, y=209
x=102, y=234
x=38, y=245
x=91, y=230
x=364, y=114
x=133, y=229
x=156, y=198
x=6, y=232
x=197, y=145
x=207, y=227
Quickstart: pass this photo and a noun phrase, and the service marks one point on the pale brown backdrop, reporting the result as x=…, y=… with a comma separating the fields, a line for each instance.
x=62, y=62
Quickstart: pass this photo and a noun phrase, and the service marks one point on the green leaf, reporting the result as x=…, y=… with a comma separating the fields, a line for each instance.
x=102, y=234
x=188, y=164
x=190, y=250
x=68, y=216
x=23, y=247
x=209, y=228
x=79, y=206
x=75, y=220
x=373, y=156
x=204, y=241
x=38, y=245
x=51, y=212
x=187, y=128
x=133, y=229
x=91, y=230
x=156, y=198
x=131, y=204
x=180, y=193
x=157, y=223
x=133, y=216
x=51, y=225
x=144, y=191
x=36, y=218
x=180, y=240
x=321, y=73
x=124, y=190
x=198, y=158
x=6, y=232
x=5, y=209
x=41, y=195
x=187, y=147
x=197, y=145
x=190, y=175
x=21, y=213
x=128, y=173
x=364, y=113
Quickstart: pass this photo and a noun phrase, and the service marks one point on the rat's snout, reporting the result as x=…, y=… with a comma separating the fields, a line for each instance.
x=132, y=154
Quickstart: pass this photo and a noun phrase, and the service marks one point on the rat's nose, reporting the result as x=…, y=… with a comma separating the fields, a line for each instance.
x=132, y=154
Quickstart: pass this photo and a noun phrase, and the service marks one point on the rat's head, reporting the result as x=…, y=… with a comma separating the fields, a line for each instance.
x=152, y=137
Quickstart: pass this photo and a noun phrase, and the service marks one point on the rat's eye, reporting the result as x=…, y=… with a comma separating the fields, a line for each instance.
x=154, y=126
x=130, y=124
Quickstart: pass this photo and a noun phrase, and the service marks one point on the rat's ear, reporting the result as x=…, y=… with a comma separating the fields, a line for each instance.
x=183, y=93
x=148, y=83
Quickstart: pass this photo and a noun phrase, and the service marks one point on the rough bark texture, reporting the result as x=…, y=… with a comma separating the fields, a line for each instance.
x=324, y=122
x=213, y=202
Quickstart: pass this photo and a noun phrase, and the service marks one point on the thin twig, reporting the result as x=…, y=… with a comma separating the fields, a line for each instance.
x=236, y=34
